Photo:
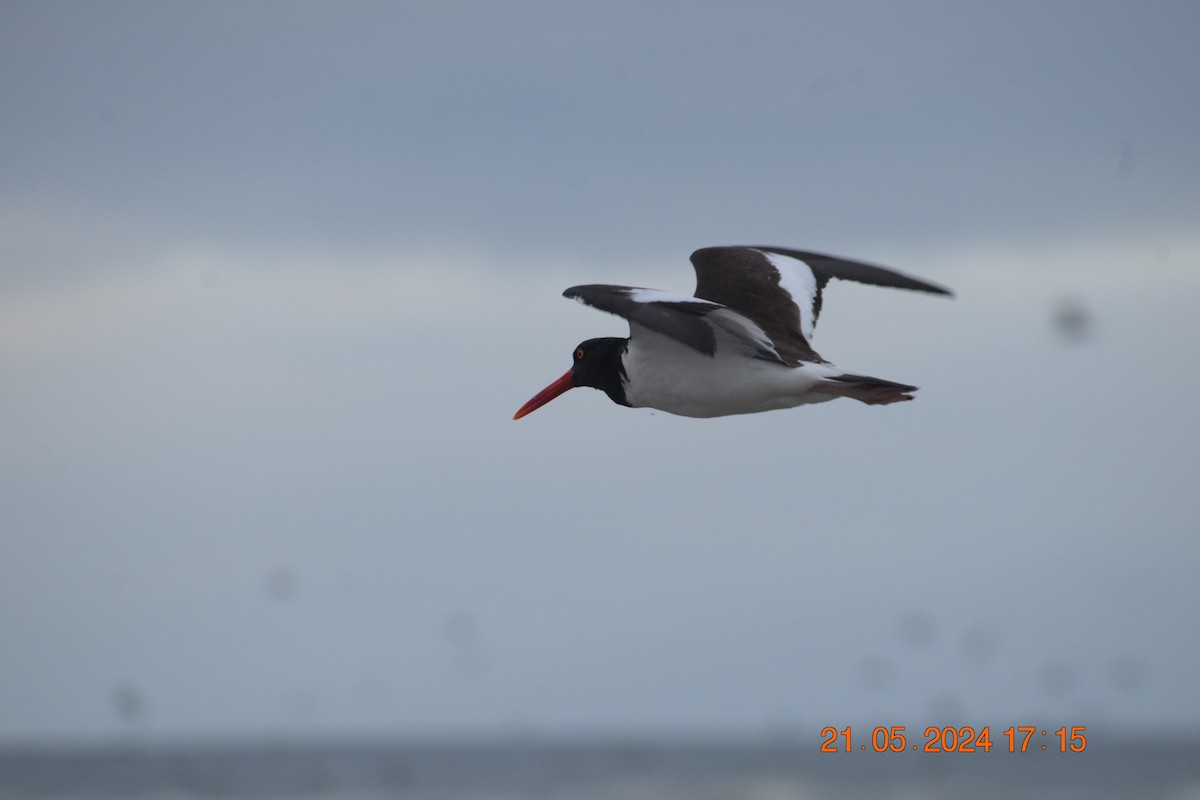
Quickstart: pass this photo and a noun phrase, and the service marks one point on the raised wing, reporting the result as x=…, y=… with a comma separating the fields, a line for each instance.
x=780, y=289
x=692, y=321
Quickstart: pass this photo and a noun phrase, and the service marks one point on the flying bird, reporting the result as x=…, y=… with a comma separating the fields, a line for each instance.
x=741, y=345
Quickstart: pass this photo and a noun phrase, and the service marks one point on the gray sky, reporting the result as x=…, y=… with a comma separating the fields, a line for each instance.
x=275, y=276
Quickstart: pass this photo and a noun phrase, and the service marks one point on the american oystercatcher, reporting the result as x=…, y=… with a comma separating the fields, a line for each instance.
x=739, y=346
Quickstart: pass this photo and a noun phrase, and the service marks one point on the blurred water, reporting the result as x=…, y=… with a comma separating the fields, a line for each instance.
x=770, y=771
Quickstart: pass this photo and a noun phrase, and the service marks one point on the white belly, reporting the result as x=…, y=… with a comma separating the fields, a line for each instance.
x=664, y=374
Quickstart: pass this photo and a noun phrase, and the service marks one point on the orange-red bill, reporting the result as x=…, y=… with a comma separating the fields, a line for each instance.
x=546, y=395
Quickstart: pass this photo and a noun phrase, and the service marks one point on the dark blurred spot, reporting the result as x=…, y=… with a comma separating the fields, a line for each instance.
x=946, y=709
x=917, y=628
x=1126, y=158
x=1058, y=678
x=460, y=627
x=372, y=693
x=302, y=702
x=1128, y=674
x=461, y=630
x=876, y=673
x=826, y=84
x=1071, y=320
x=281, y=584
x=785, y=733
x=979, y=645
x=127, y=701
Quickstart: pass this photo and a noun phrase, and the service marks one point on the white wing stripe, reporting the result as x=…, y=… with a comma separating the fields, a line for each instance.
x=797, y=279
x=638, y=295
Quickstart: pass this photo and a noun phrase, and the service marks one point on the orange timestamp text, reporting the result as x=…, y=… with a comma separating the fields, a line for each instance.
x=951, y=739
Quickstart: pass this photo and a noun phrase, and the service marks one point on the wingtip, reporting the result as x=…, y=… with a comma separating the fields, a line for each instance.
x=845, y=268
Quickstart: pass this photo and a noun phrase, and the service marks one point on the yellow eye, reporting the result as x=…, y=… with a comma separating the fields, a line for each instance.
x=578, y=353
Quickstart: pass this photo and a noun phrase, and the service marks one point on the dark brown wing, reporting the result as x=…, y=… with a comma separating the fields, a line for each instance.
x=781, y=289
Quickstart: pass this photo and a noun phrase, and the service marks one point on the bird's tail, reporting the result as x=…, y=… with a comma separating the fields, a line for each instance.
x=872, y=391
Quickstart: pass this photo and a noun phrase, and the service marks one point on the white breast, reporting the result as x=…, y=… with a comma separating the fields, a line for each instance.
x=664, y=374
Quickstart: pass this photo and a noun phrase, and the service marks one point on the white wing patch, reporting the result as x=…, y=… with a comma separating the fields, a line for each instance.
x=659, y=296
x=797, y=279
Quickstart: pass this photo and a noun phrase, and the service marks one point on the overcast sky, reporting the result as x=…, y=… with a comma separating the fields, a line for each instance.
x=275, y=276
